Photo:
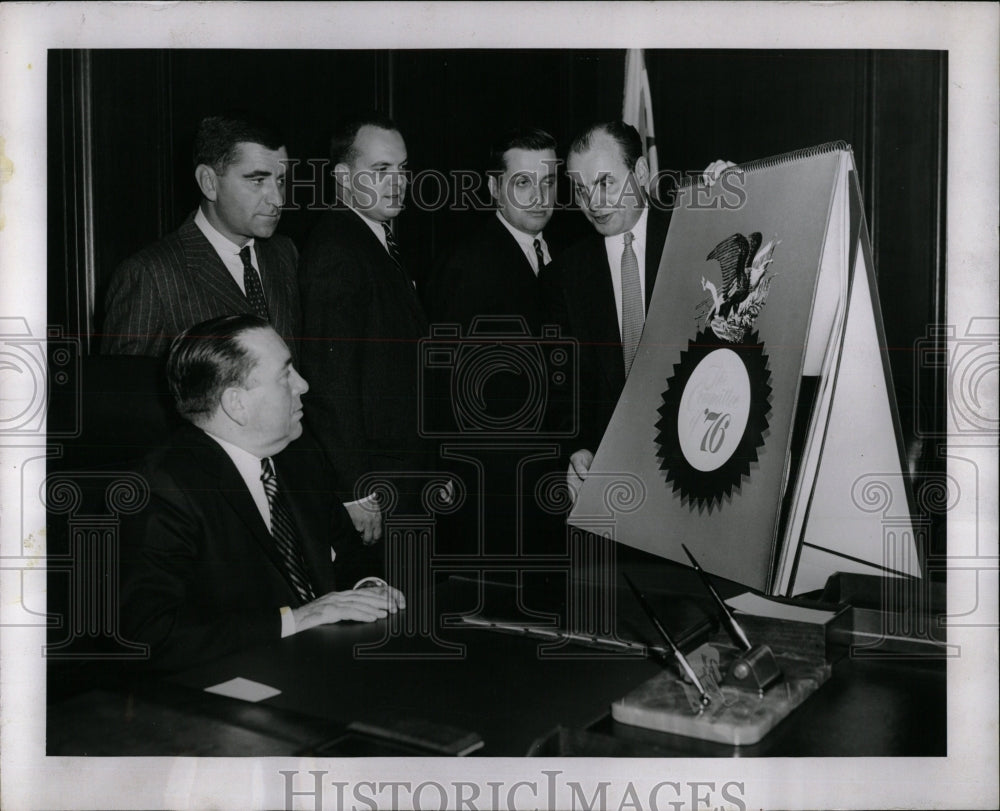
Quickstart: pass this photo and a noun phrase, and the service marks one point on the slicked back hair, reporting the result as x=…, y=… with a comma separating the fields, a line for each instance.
x=625, y=135
x=208, y=358
x=530, y=139
x=219, y=136
x=342, y=141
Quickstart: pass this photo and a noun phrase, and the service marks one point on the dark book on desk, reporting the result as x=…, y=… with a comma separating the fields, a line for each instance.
x=764, y=316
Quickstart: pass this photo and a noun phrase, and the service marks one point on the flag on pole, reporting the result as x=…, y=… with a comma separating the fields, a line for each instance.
x=637, y=107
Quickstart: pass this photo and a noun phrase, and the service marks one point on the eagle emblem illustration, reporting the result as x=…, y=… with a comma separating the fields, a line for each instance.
x=715, y=410
x=745, y=281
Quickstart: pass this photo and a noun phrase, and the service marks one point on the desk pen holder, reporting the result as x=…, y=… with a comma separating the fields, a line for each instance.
x=755, y=669
x=740, y=713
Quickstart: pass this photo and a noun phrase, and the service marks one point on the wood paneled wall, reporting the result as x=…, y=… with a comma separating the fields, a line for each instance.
x=126, y=120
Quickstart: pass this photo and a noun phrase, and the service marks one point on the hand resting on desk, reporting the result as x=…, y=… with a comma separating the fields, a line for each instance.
x=360, y=605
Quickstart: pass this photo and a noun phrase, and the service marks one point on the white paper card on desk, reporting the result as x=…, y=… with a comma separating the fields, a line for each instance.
x=750, y=603
x=243, y=689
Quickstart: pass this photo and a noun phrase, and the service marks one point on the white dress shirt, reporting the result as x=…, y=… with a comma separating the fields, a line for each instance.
x=527, y=244
x=614, y=246
x=229, y=252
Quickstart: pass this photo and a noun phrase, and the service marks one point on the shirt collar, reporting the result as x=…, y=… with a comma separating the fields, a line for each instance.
x=223, y=246
x=638, y=231
x=378, y=228
x=248, y=464
x=525, y=239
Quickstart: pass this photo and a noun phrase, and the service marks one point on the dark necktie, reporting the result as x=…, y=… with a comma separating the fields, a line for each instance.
x=394, y=253
x=251, y=283
x=392, y=245
x=633, y=313
x=283, y=532
x=539, y=255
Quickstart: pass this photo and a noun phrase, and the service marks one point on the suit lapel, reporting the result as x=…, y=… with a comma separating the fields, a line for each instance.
x=514, y=255
x=217, y=464
x=396, y=276
x=599, y=310
x=311, y=516
x=207, y=270
x=274, y=293
x=656, y=235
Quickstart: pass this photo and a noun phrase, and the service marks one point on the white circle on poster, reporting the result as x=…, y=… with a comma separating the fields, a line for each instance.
x=714, y=409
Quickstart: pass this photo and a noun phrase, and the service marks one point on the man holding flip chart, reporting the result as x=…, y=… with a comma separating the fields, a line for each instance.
x=599, y=290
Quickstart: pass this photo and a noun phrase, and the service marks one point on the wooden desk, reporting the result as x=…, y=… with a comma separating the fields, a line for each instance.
x=516, y=698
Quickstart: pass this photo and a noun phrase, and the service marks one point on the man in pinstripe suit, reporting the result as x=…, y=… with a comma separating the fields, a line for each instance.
x=224, y=259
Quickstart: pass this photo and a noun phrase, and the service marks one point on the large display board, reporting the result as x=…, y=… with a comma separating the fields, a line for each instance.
x=758, y=421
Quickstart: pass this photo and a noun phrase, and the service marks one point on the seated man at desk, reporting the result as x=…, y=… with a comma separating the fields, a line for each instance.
x=240, y=542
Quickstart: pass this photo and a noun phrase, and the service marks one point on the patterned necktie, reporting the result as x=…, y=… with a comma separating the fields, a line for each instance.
x=633, y=313
x=251, y=283
x=539, y=255
x=395, y=254
x=392, y=245
x=283, y=532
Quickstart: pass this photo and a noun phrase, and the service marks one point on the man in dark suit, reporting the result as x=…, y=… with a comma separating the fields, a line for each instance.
x=599, y=290
x=239, y=543
x=585, y=285
x=493, y=271
x=225, y=258
x=363, y=321
x=491, y=274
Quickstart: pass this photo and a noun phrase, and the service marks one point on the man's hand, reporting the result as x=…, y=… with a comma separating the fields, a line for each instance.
x=579, y=465
x=714, y=169
x=448, y=492
x=367, y=518
x=360, y=605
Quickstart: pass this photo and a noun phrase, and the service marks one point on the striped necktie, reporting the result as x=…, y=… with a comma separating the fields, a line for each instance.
x=392, y=245
x=539, y=254
x=251, y=284
x=283, y=532
x=633, y=312
x=395, y=254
